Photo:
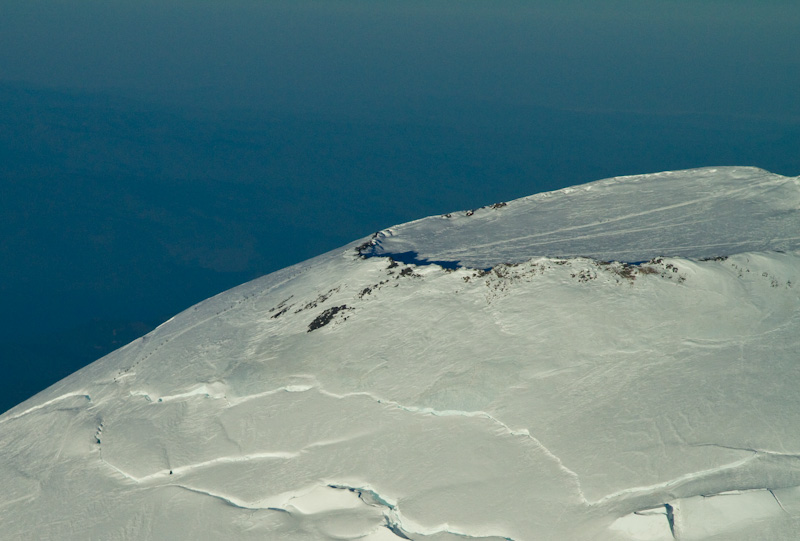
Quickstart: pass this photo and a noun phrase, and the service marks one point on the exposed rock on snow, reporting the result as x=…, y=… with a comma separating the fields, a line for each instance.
x=468, y=377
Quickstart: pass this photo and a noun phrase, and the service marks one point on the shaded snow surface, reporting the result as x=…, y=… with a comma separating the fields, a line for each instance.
x=555, y=397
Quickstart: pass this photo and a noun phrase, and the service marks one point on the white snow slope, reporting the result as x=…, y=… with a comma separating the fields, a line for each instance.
x=553, y=397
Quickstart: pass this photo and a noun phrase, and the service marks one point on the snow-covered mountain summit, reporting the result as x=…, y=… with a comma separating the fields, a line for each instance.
x=697, y=213
x=514, y=391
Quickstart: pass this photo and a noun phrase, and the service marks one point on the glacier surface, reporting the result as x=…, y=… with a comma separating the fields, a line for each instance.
x=613, y=361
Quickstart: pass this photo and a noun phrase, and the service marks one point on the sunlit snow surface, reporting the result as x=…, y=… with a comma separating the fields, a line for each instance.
x=695, y=214
x=554, y=397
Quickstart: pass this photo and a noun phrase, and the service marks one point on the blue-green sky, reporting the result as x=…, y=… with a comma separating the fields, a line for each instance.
x=155, y=153
x=666, y=56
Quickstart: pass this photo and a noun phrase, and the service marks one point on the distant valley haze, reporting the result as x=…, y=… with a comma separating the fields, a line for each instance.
x=153, y=154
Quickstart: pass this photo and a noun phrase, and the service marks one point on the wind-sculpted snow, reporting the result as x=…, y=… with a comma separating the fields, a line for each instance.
x=697, y=213
x=382, y=398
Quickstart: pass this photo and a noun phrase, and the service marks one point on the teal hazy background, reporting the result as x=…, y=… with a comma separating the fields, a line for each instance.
x=153, y=154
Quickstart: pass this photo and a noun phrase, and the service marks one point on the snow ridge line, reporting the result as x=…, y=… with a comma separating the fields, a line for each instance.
x=220, y=460
x=394, y=519
x=524, y=432
x=45, y=404
x=750, y=473
x=632, y=499
x=217, y=391
x=227, y=459
x=666, y=487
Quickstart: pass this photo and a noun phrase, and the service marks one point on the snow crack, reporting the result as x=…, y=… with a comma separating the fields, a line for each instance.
x=778, y=501
x=670, y=518
x=394, y=518
x=755, y=450
x=233, y=502
x=523, y=432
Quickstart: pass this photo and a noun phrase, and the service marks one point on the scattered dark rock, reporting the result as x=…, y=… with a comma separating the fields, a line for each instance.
x=627, y=272
x=647, y=270
x=369, y=289
x=367, y=246
x=319, y=300
x=281, y=307
x=584, y=275
x=281, y=304
x=326, y=317
x=409, y=272
x=279, y=314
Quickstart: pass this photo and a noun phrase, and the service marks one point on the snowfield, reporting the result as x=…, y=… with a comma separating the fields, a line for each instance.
x=614, y=361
